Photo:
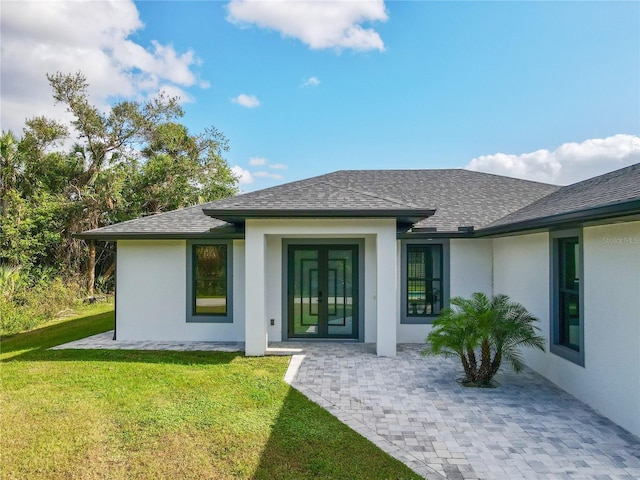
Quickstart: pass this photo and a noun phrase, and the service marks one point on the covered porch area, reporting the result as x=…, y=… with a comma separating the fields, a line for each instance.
x=324, y=278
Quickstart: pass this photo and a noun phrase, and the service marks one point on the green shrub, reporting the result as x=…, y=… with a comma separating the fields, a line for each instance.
x=36, y=299
x=14, y=319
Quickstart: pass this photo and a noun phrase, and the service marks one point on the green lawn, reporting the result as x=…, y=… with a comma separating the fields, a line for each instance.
x=142, y=414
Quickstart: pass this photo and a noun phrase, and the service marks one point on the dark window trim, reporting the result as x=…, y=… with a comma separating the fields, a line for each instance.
x=425, y=319
x=193, y=318
x=556, y=347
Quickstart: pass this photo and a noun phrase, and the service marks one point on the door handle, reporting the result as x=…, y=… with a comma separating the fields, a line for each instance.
x=319, y=296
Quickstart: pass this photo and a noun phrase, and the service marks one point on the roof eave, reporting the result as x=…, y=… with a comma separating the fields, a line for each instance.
x=114, y=236
x=240, y=215
x=593, y=214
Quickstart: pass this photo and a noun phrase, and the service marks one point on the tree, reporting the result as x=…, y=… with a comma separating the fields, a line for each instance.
x=103, y=140
x=8, y=168
x=180, y=169
x=135, y=159
x=488, y=330
x=32, y=211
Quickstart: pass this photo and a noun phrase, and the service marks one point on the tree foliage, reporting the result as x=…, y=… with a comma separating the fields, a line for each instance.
x=134, y=159
x=481, y=332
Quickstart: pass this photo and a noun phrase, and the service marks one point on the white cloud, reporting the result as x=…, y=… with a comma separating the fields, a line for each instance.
x=274, y=176
x=278, y=166
x=569, y=163
x=311, y=82
x=319, y=24
x=175, y=91
x=249, y=101
x=257, y=161
x=93, y=37
x=244, y=176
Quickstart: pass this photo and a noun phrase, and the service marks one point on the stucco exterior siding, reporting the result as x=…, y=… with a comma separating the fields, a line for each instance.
x=612, y=323
x=370, y=285
x=151, y=301
x=238, y=291
x=471, y=267
x=273, y=289
x=610, y=378
x=521, y=270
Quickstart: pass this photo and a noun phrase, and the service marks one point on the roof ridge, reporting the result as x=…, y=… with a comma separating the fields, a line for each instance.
x=379, y=197
x=271, y=191
x=599, y=178
x=454, y=169
x=268, y=191
x=301, y=184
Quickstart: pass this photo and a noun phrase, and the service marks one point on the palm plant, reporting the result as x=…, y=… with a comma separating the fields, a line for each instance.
x=9, y=279
x=482, y=332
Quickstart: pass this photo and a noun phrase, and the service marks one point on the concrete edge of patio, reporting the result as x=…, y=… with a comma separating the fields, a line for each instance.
x=105, y=341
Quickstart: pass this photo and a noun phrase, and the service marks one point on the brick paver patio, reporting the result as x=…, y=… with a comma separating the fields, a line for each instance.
x=413, y=408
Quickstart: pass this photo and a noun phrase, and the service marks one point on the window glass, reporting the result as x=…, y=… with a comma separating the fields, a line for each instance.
x=210, y=279
x=568, y=306
x=424, y=280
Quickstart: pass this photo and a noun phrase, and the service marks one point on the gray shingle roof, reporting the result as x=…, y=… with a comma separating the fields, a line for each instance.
x=609, y=189
x=314, y=195
x=187, y=221
x=460, y=198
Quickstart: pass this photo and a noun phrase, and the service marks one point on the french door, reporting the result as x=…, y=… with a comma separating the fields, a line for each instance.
x=323, y=291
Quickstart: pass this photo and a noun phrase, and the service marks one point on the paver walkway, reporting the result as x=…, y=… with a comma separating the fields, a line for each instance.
x=413, y=408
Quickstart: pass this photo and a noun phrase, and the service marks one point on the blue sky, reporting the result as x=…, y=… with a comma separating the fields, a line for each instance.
x=542, y=90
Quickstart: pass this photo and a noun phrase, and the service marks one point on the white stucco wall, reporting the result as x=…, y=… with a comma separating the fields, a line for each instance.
x=370, y=285
x=274, y=293
x=521, y=270
x=471, y=266
x=612, y=323
x=238, y=291
x=610, y=379
x=151, y=299
x=273, y=231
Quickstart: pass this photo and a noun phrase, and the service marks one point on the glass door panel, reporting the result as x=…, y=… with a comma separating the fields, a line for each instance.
x=323, y=291
x=340, y=299
x=303, y=308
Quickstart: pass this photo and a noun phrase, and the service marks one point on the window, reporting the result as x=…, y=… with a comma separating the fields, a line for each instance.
x=567, y=324
x=209, y=296
x=424, y=282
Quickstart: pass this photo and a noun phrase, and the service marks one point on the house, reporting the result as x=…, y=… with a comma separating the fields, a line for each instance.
x=373, y=256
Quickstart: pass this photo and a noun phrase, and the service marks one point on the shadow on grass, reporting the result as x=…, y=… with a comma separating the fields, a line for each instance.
x=56, y=334
x=34, y=345
x=308, y=442
x=129, y=356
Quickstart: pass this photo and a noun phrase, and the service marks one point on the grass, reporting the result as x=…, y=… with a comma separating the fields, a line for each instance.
x=144, y=414
x=87, y=321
